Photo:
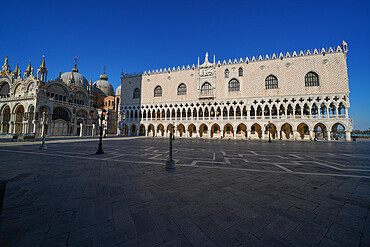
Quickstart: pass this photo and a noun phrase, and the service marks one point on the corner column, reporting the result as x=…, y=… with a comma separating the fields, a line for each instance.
x=348, y=136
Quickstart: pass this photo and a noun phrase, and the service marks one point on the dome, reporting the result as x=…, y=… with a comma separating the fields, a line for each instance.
x=103, y=86
x=118, y=91
x=74, y=79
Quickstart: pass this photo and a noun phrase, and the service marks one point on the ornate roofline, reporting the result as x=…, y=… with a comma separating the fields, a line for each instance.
x=340, y=48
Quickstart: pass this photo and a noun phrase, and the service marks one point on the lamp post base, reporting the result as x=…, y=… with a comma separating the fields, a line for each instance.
x=170, y=164
x=43, y=147
x=99, y=151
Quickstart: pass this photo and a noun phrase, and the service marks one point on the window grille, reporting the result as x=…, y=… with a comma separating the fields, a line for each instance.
x=181, y=90
x=311, y=80
x=206, y=89
x=271, y=82
x=158, y=91
x=234, y=85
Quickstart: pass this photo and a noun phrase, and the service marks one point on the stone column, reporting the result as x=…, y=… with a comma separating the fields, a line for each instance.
x=146, y=132
x=234, y=134
x=346, y=112
x=209, y=133
x=248, y=134
x=137, y=132
x=81, y=132
x=348, y=136
x=263, y=133
x=155, y=132
x=128, y=132
x=328, y=134
x=222, y=114
x=311, y=135
x=34, y=127
x=278, y=135
x=93, y=130
x=222, y=134
x=228, y=114
x=294, y=134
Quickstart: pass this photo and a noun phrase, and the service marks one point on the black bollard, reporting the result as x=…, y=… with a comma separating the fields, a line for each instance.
x=2, y=194
x=170, y=163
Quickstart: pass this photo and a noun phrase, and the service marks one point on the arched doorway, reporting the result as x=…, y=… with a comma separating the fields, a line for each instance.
x=256, y=131
x=192, y=130
x=151, y=130
x=160, y=130
x=170, y=129
x=124, y=130
x=215, y=130
x=133, y=130
x=30, y=118
x=142, y=130
x=6, y=119
x=180, y=130
x=241, y=131
x=272, y=128
x=303, y=131
x=203, y=130
x=338, y=130
x=228, y=131
x=320, y=131
x=19, y=115
x=286, y=131
x=60, y=119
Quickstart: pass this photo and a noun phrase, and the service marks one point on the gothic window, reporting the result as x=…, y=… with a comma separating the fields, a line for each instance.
x=158, y=91
x=271, y=82
x=234, y=85
x=311, y=79
x=206, y=89
x=181, y=90
x=227, y=73
x=240, y=71
x=136, y=94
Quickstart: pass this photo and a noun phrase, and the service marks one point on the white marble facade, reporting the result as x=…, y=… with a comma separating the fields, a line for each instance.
x=298, y=95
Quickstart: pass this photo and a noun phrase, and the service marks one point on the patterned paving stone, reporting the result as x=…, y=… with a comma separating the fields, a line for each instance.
x=229, y=193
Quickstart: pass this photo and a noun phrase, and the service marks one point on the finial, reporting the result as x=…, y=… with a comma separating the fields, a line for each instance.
x=104, y=69
x=6, y=66
x=206, y=59
x=75, y=68
x=76, y=60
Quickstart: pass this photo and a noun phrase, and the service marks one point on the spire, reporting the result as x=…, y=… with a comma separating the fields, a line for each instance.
x=206, y=58
x=29, y=71
x=42, y=66
x=17, y=71
x=42, y=72
x=29, y=67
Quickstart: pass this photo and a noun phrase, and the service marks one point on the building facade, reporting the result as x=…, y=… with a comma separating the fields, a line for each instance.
x=295, y=96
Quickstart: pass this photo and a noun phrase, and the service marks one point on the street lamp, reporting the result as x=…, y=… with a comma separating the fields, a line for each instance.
x=269, y=126
x=100, y=117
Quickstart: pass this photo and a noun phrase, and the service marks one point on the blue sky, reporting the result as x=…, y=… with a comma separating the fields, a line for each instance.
x=134, y=36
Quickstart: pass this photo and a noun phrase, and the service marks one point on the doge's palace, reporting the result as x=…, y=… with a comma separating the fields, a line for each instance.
x=294, y=95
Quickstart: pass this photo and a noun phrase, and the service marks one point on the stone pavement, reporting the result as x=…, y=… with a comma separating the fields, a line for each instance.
x=222, y=193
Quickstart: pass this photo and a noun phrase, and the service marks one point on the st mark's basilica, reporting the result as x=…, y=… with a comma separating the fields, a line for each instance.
x=63, y=104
